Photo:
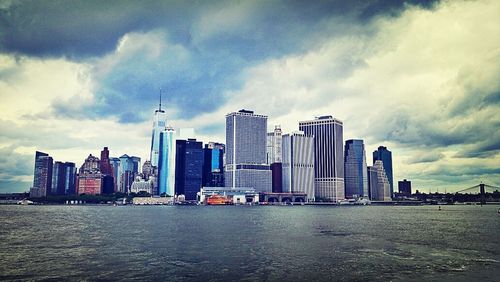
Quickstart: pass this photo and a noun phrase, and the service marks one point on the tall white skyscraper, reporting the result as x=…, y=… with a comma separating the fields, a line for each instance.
x=274, y=140
x=329, y=156
x=246, y=151
x=159, y=124
x=298, y=164
x=166, y=162
x=379, y=186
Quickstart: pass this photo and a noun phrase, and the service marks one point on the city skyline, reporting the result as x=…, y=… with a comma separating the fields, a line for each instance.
x=428, y=94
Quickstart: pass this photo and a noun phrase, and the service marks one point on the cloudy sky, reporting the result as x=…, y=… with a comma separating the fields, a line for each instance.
x=420, y=77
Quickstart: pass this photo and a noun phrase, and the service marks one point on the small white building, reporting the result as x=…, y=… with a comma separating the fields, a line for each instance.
x=141, y=185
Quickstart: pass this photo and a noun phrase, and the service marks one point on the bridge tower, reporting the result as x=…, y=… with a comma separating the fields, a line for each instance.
x=481, y=191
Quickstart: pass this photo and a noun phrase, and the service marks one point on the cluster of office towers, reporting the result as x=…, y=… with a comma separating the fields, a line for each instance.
x=176, y=167
x=311, y=161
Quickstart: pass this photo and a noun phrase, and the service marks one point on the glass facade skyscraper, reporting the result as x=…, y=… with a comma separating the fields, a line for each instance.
x=166, y=162
x=42, y=176
x=385, y=156
x=213, y=165
x=159, y=124
x=298, y=164
x=246, y=152
x=329, y=156
x=70, y=179
x=356, y=179
x=63, y=178
x=115, y=166
x=128, y=170
x=58, y=178
x=188, y=168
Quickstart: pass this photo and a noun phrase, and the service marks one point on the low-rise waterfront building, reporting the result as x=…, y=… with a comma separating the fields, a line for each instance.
x=152, y=200
x=240, y=195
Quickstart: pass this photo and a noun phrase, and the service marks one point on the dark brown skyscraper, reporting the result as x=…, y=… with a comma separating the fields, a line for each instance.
x=107, y=172
x=105, y=164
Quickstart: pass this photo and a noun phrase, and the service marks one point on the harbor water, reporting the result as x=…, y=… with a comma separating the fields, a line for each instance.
x=252, y=243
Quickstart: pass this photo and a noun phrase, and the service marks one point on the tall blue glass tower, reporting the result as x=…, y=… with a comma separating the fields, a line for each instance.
x=159, y=124
x=385, y=156
x=166, y=162
x=188, y=168
x=213, y=165
x=356, y=179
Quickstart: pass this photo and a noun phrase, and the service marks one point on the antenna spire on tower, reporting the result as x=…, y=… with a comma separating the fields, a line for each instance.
x=160, y=99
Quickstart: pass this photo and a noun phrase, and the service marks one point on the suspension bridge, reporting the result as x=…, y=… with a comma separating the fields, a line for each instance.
x=479, y=189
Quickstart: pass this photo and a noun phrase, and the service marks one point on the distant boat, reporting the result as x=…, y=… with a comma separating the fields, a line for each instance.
x=25, y=202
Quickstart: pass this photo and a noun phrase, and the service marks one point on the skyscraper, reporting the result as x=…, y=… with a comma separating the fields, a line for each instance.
x=147, y=170
x=329, y=156
x=105, y=164
x=246, y=151
x=166, y=162
x=63, y=178
x=386, y=157
x=298, y=164
x=115, y=166
x=58, y=178
x=379, y=187
x=42, y=176
x=273, y=145
x=274, y=157
x=108, y=184
x=356, y=179
x=213, y=165
x=159, y=124
x=70, y=178
x=128, y=170
x=188, y=168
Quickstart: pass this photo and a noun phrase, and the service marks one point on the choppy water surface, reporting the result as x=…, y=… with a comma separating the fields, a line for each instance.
x=249, y=243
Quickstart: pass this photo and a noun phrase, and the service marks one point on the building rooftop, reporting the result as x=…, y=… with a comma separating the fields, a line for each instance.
x=245, y=111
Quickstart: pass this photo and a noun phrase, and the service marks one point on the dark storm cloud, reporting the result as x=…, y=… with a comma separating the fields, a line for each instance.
x=262, y=30
x=81, y=28
x=485, y=148
x=91, y=28
x=464, y=171
x=480, y=132
x=427, y=157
